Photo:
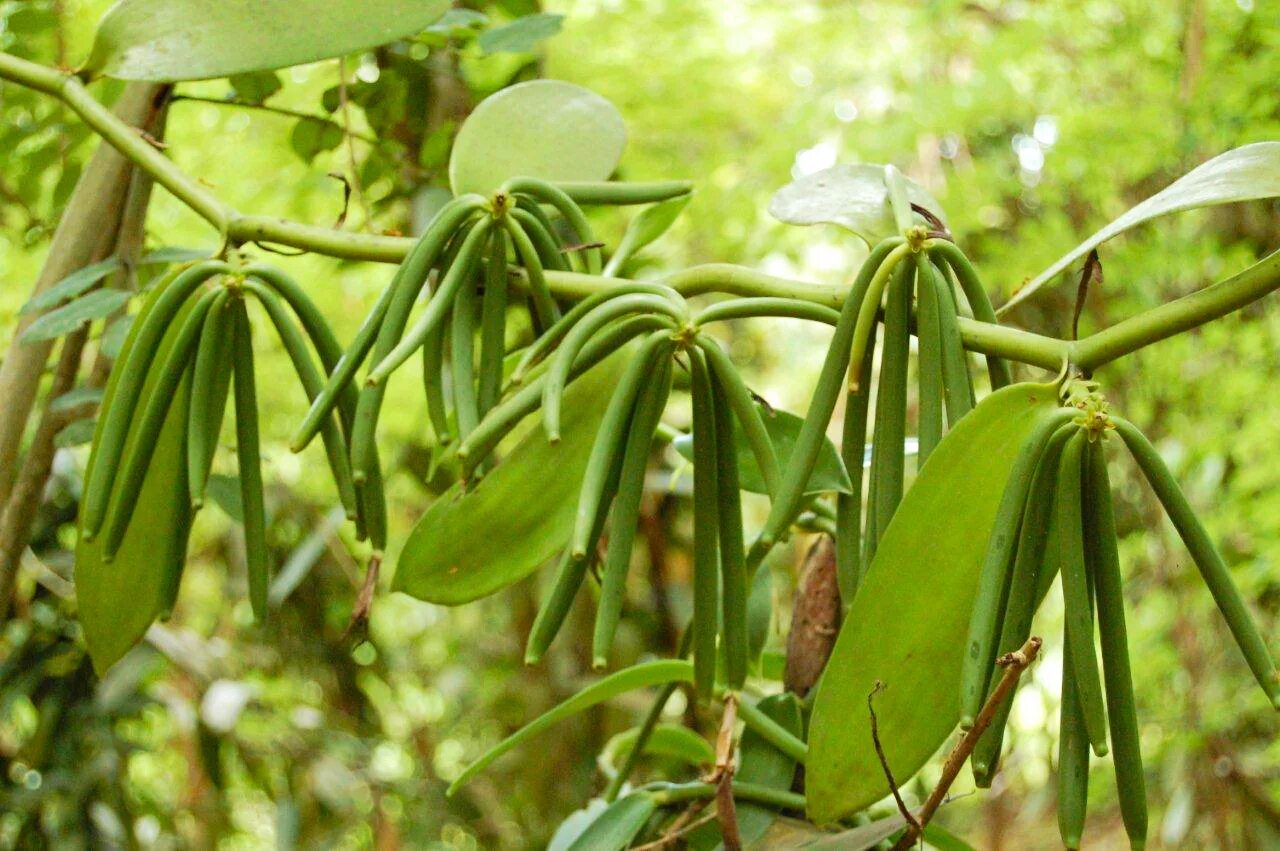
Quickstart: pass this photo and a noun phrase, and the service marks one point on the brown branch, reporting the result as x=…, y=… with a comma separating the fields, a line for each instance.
x=1014, y=664
x=884, y=761
x=726, y=811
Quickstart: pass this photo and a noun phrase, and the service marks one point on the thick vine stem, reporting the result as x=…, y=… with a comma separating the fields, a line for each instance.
x=1023, y=346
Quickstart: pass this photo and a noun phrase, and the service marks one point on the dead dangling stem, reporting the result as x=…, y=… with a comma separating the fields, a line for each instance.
x=1014, y=664
x=884, y=762
x=726, y=812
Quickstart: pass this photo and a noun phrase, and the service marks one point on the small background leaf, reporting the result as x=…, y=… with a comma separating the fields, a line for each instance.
x=77, y=433
x=71, y=286
x=828, y=475
x=671, y=741
x=172, y=40
x=112, y=339
x=75, y=398
x=1248, y=173
x=521, y=35
x=69, y=317
x=852, y=196
x=255, y=86
x=547, y=129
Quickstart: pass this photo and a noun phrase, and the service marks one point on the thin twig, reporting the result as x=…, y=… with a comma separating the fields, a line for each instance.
x=884, y=762
x=1091, y=272
x=359, y=624
x=1014, y=664
x=345, y=105
x=681, y=827
x=726, y=812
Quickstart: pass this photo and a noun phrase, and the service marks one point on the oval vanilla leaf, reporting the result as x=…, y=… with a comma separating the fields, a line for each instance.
x=908, y=623
x=1248, y=173
x=472, y=543
x=548, y=129
x=172, y=40
x=71, y=316
x=71, y=286
x=829, y=474
x=855, y=197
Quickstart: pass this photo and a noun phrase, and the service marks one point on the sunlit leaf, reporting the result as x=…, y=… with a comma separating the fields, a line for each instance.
x=907, y=625
x=171, y=40
x=547, y=129
x=521, y=35
x=1248, y=173
x=854, y=197
x=69, y=317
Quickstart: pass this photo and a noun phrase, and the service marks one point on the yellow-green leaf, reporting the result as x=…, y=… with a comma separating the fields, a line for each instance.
x=907, y=624
x=172, y=40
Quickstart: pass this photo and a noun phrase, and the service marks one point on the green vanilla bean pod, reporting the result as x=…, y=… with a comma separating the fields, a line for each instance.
x=547, y=193
x=1073, y=758
x=309, y=377
x=210, y=383
x=611, y=441
x=869, y=537
x=549, y=339
x=542, y=234
x=164, y=306
x=508, y=413
x=462, y=336
x=493, y=323
x=401, y=292
x=364, y=448
x=745, y=410
x=457, y=277
x=787, y=502
x=1206, y=556
x=733, y=563
x=433, y=385
x=869, y=306
x=929, y=366
x=250, y=461
x=995, y=576
x=891, y=402
x=316, y=328
x=1077, y=593
x=545, y=312
x=853, y=442
x=372, y=500
x=579, y=334
x=1024, y=589
x=791, y=308
x=134, y=465
x=617, y=193
x=649, y=405
x=706, y=530
x=951, y=254
x=956, y=385
x=1100, y=549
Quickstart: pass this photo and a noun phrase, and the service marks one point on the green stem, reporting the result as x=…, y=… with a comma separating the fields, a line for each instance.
x=665, y=794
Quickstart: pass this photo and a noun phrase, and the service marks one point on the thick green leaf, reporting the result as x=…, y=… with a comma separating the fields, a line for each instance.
x=852, y=196
x=907, y=624
x=118, y=601
x=172, y=40
x=614, y=828
x=1249, y=173
x=470, y=544
x=521, y=35
x=69, y=317
x=645, y=674
x=547, y=129
x=71, y=286
x=828, y=475
x=671, y=741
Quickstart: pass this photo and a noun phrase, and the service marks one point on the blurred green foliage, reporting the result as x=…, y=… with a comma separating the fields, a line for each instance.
x=1032, y=123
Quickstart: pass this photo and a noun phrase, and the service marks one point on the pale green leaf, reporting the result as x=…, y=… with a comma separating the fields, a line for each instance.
x=854, y=197
x=521, y=35
x=1248, y=173
x=546, y=129
x=172, y=40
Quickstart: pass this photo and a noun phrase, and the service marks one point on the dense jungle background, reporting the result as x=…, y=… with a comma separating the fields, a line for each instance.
x=1032, y=123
